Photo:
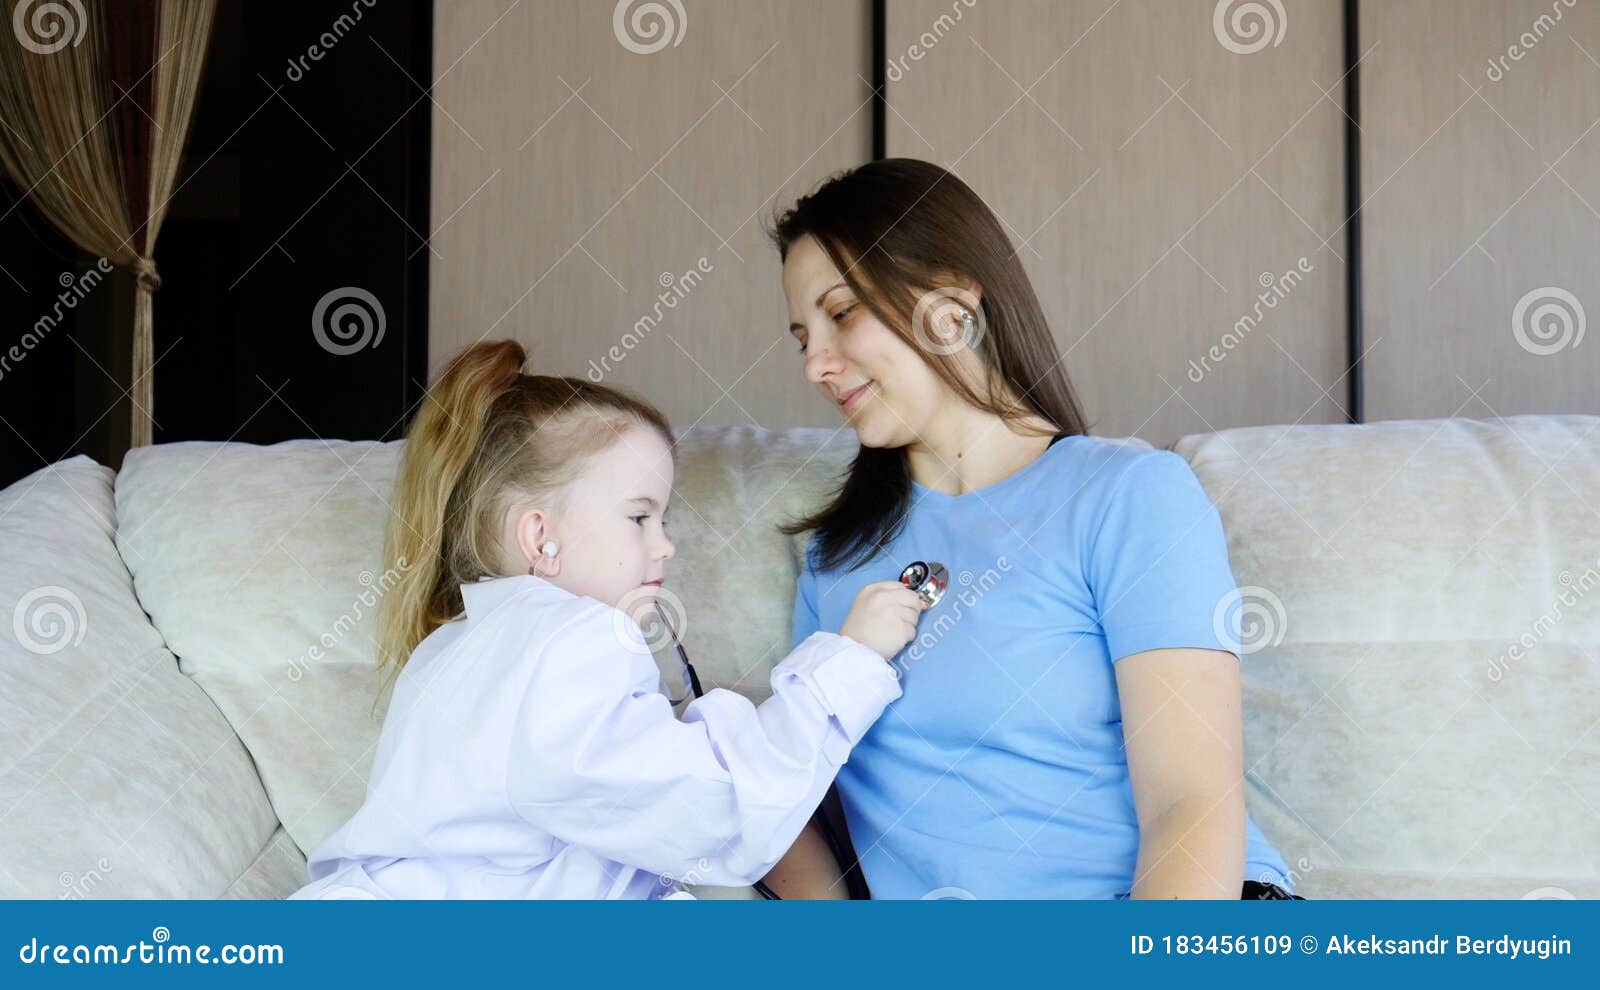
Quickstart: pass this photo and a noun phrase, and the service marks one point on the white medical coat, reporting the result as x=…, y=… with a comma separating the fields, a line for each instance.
x=528, y=752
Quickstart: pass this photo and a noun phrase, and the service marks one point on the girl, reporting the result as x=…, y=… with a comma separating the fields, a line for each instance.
x=528, y=751
x=1077, y=733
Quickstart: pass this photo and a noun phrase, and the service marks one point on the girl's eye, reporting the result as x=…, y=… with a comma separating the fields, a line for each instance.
x=843, y=312
x=638, y=520
x=802, y=347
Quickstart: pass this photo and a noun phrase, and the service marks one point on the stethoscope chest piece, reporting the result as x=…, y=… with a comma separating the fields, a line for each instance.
x=928, y=579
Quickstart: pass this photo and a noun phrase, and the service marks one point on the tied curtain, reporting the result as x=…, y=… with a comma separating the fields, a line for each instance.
x=95, y=102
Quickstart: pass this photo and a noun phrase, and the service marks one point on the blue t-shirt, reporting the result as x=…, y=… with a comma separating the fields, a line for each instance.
x=1001, y=772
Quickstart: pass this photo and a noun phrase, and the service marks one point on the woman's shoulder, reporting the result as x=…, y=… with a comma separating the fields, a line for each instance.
x=1084, y=480
x=1121, y=487
x=1100, y=467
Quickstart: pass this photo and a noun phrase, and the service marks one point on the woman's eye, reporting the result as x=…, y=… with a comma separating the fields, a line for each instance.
x=843, y=312
x=638, y=520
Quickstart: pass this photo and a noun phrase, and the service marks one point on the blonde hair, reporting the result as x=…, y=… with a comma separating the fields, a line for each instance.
x=488, y=437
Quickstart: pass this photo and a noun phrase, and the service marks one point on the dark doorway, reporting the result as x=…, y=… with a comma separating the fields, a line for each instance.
x=293, y=258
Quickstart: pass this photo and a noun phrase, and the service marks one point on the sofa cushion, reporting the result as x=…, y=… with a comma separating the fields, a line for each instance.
x=118, y=776
x=261, y=567
x=277, y=871
x=1420, y=629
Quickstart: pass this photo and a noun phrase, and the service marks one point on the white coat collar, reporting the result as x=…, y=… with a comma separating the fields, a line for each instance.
x=488, y=593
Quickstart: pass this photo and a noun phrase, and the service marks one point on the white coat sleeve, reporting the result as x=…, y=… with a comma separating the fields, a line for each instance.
x=599, y=760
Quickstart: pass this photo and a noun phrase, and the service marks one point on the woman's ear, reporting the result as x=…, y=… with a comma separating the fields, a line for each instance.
x=960, y=302
x=962, y=288
x=971, y=288
x=534, y=539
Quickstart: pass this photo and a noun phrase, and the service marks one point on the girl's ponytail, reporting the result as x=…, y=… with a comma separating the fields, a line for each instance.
x=438, y=453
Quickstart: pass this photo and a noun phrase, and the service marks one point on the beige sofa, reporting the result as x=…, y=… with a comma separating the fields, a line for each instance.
x=186, y=683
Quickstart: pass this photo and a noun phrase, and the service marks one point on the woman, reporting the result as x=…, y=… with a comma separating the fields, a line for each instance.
x=1070, y=725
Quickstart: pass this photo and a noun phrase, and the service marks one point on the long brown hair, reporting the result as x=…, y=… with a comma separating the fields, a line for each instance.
x=488, y=435
x=898, y=229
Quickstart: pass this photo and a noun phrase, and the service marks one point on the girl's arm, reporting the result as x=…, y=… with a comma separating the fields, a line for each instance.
x=717, y=798
x=1183, y=732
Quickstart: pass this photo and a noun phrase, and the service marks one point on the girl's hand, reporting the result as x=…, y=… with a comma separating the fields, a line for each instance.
x=884, y=617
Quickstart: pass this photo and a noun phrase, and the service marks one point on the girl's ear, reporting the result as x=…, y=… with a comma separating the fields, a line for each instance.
x=532, y=533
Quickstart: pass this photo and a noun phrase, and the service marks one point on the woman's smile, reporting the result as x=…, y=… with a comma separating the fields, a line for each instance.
x=850, y=400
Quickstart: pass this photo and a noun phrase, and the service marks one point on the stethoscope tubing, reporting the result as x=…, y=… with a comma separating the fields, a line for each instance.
x=694, y=685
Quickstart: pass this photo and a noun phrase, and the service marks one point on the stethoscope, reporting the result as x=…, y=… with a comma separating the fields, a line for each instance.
x=928, y=579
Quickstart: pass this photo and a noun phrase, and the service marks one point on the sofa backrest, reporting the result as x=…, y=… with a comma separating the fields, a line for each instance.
x=1421, y=634
x=1420, y=688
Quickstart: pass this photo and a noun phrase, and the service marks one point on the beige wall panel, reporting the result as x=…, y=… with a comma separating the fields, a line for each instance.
x=1481, y=171
x=573, y=177
x=1151, y=177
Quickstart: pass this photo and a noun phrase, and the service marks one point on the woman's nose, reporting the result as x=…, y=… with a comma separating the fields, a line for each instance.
x=822, y=363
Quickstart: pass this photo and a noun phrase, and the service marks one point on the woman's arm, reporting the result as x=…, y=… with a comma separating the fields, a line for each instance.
x=1183, y=731
x=808, y=871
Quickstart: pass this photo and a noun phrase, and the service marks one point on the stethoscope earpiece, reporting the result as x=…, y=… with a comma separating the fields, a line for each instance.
x=928, y=579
